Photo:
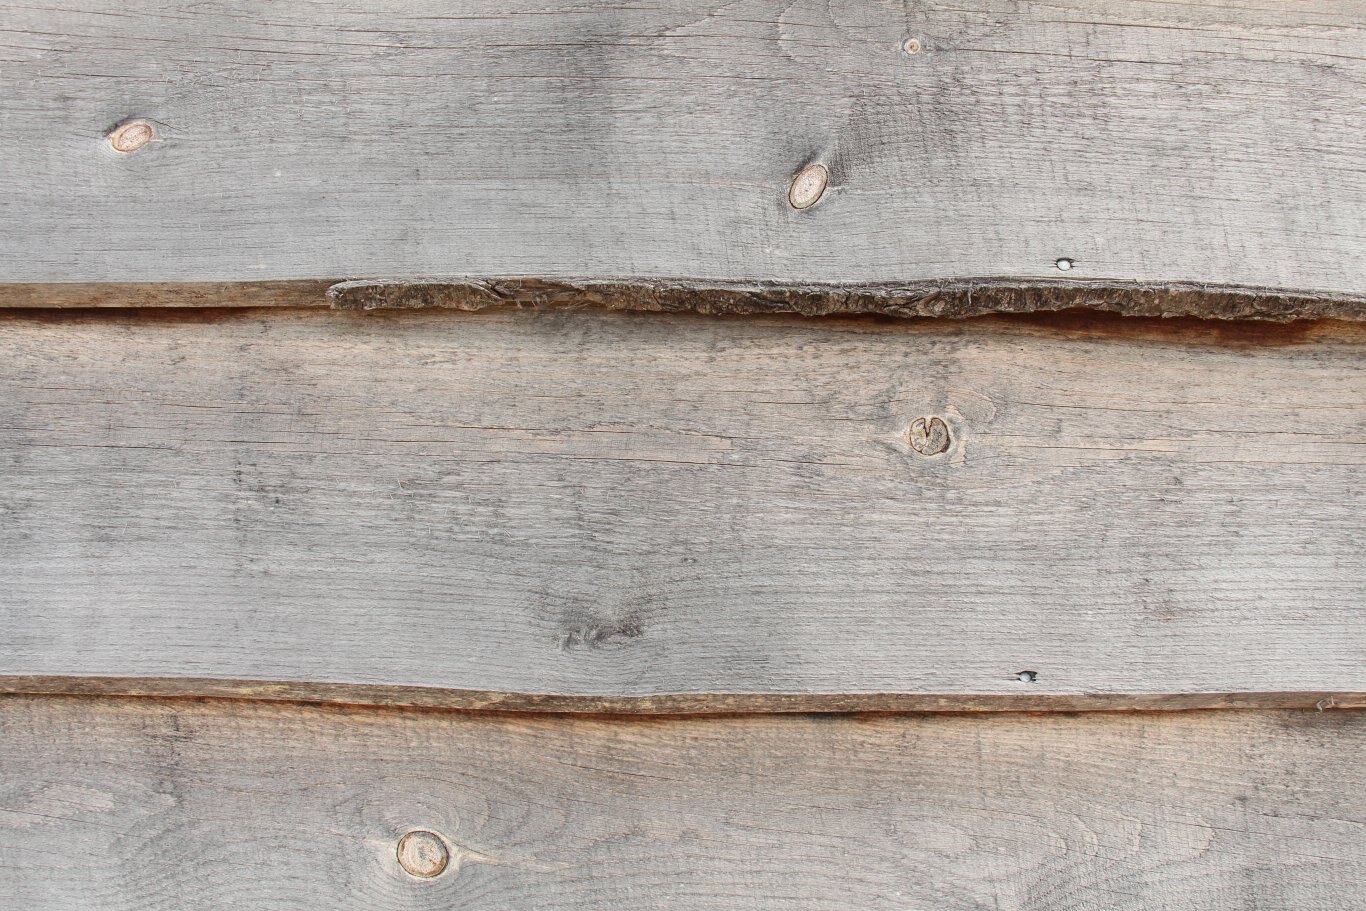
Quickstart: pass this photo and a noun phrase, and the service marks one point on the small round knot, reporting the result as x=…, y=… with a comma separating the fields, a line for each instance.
x=929, y=436
x=131, y=136
x=1064, y=264
x=423, y=854
x=1027, y=676
x=808, y=186
x=910, y=46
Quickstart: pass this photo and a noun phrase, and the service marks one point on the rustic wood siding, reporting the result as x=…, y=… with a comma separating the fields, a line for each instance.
x=593, y=504
x=144, y=806
x=366, y=544
x=1214, y=143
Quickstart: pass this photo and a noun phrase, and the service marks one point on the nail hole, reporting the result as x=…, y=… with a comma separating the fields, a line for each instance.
x=808, y=186
x=131, y=136
x=911, y=46
x=1027, y=676
x=1064, y=265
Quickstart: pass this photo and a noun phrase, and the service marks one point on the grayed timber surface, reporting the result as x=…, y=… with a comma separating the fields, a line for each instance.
x=602, y=507
x=1206, y=144
x=140, y=805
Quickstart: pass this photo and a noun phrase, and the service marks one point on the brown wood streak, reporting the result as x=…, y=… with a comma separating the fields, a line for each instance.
x=665, y=704
x=954, y=300
x=150, y=805
x=138, y=295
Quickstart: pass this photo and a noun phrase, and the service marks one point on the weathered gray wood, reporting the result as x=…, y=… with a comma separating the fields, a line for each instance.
x=610, y=507
x=1215, y=143
x=145, y=806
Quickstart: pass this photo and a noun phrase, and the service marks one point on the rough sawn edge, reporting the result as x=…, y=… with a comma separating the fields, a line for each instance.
x=956, y=299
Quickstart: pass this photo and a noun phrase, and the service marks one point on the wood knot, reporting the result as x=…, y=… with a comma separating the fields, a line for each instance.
x=929, y=436
x=808, y=186
x=131, y=136
x=423, y=854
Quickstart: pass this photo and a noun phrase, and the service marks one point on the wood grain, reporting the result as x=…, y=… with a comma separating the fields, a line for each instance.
x=610, y=511
x=1215, y=143
x=141, y=805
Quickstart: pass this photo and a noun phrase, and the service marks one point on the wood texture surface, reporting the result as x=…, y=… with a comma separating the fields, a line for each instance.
x=669, y=513
x=1213, y=143
x=145, y=806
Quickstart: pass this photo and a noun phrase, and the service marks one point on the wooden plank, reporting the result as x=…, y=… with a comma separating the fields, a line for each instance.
x=612, y=511
x=1143, y=143
x=146, y=806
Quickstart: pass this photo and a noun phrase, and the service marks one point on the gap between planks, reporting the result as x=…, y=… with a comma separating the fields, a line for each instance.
x=947, y=299
x=342, y=694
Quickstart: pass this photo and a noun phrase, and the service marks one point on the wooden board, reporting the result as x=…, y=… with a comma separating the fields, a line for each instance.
x=147, y=806
x=1147, y=143
x=610, y=511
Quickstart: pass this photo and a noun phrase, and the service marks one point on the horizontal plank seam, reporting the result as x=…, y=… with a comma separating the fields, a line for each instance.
x=664, y=703
x=944, y=299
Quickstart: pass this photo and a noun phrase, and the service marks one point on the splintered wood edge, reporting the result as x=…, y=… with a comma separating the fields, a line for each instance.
x=663, y=704
x=946, y=299
x=953, y=300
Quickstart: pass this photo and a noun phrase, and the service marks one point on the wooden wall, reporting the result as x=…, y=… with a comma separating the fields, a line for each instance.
x=143, y=805
x=645, y=511
x=325, y=516
x=628, y=458
x=1152, y=144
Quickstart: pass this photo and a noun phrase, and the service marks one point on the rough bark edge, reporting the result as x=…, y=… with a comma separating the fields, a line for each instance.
x=952, y=300
x=663, y=704
x=957, y=299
